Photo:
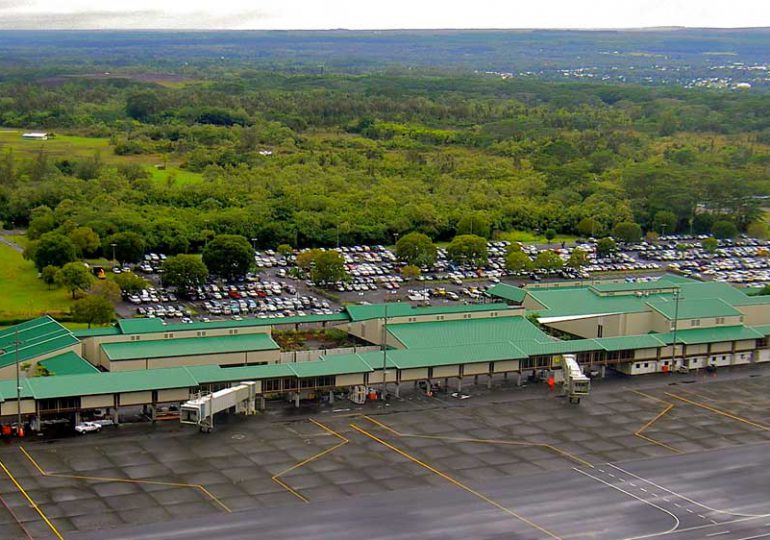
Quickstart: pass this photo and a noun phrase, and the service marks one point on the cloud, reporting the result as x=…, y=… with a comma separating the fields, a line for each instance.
x=139, y=19
x=13, y=4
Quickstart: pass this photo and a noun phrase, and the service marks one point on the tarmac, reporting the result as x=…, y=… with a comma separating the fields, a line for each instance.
x=506, y=463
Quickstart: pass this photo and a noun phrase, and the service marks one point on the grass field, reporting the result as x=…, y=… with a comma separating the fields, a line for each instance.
x=532, y=238
x=23, y=294
x=72, y=146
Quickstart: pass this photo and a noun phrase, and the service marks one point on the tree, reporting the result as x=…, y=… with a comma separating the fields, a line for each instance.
x=468, y=249
x=577, y=259
x=86, y=241
x=710, y=244
x=143, y=105
x=758, y=229
x=129, y=282
x=548, y=260
x=328, y=268
x=476, y=223
x=549, y=234
x=228, y=256
x=664, y=221
x=589, y=227
x=628, y=232
x=416, y=249
x=410, y=272
x=74, y=276
x=184, y=272
x=651, y=237
x=106, y=288
x=518, y=261
x=53, y=249
x=48, y=275
x=306, y=258
x=724, y=229
x=129, y=246
x=605, y=247
x=93, y=309
x=284, y=249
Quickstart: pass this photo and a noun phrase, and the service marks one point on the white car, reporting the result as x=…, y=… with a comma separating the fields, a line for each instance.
x=88, y=427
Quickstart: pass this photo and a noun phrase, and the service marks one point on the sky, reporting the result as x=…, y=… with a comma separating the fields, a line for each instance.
x=380, y=14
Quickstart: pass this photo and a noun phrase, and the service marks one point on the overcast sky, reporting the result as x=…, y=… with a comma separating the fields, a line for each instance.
x=381, y=14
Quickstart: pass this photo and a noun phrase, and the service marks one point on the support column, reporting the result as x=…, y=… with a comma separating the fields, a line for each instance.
x=475, y=380
x=505, y=376
x=518, y=378
x=77, y=418
x=489, y=381
x=296, y=400
x=459, y=384
x=261, y=403
x=603, y=371
x=153, y=412
x=331, y=396
x=116, y=416
x=398, y=390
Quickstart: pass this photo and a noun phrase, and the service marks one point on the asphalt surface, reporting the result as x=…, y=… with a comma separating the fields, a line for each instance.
x=721, y=493
x=509, y=462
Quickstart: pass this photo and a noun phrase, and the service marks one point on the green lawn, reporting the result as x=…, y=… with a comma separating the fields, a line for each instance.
x=532, y=238
x=72, y=146
x=23, y=295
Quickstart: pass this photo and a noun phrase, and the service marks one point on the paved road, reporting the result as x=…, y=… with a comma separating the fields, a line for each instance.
x=713, y=494
x=10, y=244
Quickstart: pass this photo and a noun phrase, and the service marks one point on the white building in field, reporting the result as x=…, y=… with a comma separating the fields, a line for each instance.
x=37, y=136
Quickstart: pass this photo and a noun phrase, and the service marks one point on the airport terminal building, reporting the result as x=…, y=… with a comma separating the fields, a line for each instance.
x=670, y=324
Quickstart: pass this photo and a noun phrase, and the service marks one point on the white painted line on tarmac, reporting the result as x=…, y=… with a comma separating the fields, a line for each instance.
x=718, y=533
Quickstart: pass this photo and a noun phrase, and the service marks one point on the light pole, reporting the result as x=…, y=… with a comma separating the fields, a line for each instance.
x=254, y=244
x=676, y=324
x=18, y=384
x=385, y=351
x=113, y=251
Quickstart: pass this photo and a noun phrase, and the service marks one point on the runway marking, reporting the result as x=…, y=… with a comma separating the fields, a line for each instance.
x=199, y=487
x=713, y=521
x=277, y=477
x=454, y=481
x=718, y=533
x=685, y=498
x=701, y=516
x=676, y=519
x=754, y=537
x=695, y=528
x=54, y=530
x=640, y=432
x=610, y=474
x=550, y=447
x=678, y=505
x=690, y=511
x=16, y=518
x=632, y=484
x=720, y=412
x=643, y=489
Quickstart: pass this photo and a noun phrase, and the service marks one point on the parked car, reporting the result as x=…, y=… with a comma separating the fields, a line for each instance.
x=88, y=427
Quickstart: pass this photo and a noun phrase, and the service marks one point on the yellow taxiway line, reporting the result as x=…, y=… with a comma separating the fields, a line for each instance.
x=640, y=432
x=550, y=447
x=453, y=481
x=199, y=487
x=34, y=505
x=277, y=477
x=720, y=412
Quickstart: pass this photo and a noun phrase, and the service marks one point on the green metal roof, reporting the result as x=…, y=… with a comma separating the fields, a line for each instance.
x=465, y=332
x=97, y=331
x=162, y=348
x=147, y=326
x=215, y=374
x=717, y=334
x=643, y=286
x=705, y=299
x=626, y=343
x=110, y=383
x=764, y=329
x=68, y=363
x=693, y=308
x=403, y=309
x=550, y=348
x=508, y=292
x=441, y=356
x=331, y=365
x=36, y=338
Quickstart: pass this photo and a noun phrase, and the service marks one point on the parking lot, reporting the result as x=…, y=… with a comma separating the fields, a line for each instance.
x=143, y=474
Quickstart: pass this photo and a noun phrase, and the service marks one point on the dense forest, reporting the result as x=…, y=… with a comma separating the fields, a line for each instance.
x=316, y=159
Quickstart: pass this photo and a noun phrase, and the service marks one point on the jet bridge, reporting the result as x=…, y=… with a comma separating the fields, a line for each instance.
x=200, y=410
x=576, y=384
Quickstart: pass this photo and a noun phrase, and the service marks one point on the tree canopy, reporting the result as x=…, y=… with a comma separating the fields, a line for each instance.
x=228, y=256
x=416, y=249
x=468, y=249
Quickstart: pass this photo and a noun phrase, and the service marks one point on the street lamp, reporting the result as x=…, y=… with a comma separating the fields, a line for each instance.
x=676, y=324
x=113, y=251
x=254, y=243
